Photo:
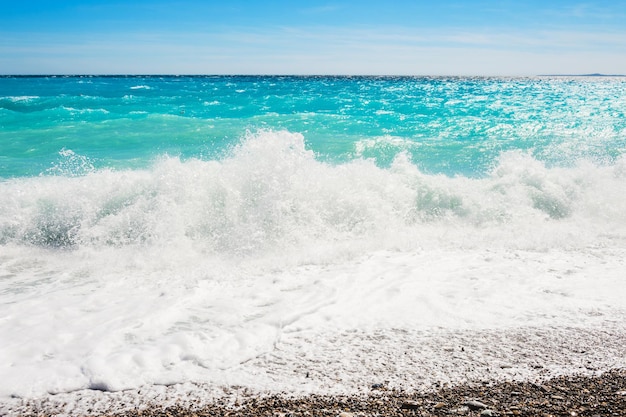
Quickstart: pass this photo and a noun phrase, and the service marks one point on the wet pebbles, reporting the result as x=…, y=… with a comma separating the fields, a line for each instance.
x=571, y=396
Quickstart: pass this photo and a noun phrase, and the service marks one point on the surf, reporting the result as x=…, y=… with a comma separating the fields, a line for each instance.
x=272, y=192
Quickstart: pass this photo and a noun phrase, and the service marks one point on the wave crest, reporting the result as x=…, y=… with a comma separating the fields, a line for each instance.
x=272, y=194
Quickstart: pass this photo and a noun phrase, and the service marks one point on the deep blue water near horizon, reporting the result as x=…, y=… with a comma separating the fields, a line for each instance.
x=450, y=125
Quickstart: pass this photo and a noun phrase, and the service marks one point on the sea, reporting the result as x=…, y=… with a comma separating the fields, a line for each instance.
x=184, y=235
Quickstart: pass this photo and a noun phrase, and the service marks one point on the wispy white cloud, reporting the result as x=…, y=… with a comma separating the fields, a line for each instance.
x=302, y=50
x=364, y=38
x=596, y=12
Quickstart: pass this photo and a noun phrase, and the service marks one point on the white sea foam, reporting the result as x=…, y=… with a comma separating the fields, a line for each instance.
x=17, y=99
x=75, y=110
x=238, y=271
x=272, y=194
x=394, y=144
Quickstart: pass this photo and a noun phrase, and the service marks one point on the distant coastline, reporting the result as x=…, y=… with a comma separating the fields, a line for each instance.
x=293, y=76
x=595, y=74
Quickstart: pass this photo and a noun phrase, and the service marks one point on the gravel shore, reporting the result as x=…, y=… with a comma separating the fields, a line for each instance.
x=527, y=372
x=593, y=396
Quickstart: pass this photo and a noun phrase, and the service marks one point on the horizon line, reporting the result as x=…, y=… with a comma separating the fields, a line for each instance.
x=140, y=75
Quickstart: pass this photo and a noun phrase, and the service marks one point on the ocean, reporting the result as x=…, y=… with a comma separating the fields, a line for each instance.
x=306, y=234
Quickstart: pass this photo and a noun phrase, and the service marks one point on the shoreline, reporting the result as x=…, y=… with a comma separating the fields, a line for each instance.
x=568, y=395
x=526, y=372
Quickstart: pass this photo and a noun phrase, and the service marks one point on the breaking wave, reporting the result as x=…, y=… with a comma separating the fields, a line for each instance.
x=272, y=194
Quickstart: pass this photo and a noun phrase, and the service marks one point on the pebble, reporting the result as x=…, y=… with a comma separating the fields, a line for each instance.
x=475, y=405
x=410, y=405
x=541, y=387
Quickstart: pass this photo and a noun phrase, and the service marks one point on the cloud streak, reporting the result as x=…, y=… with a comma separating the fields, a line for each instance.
x=329, y=48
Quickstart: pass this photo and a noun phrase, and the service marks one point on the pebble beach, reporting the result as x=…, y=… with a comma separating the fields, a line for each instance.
x=535, y=372
x=566, y=396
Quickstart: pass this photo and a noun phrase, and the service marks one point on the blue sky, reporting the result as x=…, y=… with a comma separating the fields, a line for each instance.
x=434, y=37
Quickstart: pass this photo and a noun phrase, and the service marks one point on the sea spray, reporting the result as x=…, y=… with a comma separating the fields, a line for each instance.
x=272, y=193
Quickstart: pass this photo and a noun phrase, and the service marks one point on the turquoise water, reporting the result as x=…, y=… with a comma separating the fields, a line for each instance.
x=165, y=230
x=70, y=125
x=243, y=165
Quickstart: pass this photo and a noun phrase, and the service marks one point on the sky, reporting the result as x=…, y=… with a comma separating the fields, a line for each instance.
x=340, y=37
